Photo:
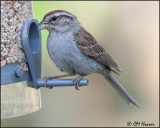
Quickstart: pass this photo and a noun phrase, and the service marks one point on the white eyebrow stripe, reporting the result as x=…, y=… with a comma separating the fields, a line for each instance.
x=62, y=13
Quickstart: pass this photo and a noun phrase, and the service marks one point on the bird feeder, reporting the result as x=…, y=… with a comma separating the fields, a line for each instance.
x=21, y=61
x=16, y=97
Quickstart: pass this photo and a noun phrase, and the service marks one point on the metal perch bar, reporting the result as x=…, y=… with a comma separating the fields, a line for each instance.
x=60, y=82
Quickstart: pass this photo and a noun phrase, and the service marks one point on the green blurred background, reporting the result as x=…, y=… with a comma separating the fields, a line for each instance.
x=129, y=31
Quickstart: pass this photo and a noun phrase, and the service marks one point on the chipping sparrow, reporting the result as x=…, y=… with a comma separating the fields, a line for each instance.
x=76, y=51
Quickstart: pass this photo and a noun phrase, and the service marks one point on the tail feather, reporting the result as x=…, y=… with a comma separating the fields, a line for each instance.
x=118, y=87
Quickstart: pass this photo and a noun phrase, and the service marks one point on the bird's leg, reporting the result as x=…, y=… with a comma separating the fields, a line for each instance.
x=76, y=81
x=53, y=77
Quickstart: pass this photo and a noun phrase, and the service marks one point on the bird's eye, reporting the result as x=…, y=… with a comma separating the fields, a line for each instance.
x=54, y=18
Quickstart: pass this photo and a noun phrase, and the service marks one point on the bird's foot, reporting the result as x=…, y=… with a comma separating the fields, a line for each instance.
x=76, y=82
x=52, y=77
x=47, y=78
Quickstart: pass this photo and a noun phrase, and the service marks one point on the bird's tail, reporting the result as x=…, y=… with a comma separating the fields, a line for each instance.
x=118, y=87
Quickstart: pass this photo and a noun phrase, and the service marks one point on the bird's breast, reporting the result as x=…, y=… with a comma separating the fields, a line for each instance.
x=65, y=54
x=61, y=46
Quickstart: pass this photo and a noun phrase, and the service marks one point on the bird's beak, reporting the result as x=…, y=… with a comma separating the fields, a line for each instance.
x=42, y=25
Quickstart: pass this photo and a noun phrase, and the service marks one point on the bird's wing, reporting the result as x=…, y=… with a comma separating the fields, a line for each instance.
x=89, y=46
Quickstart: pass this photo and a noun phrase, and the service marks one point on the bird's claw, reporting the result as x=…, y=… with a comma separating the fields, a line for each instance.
x=76, y=82
x=53, y=77
x=45, y=83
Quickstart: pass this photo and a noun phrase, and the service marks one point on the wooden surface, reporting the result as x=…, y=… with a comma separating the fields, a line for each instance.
x=19, y=99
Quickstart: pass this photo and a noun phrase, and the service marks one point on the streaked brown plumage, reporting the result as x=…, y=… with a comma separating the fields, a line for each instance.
x=89, y=46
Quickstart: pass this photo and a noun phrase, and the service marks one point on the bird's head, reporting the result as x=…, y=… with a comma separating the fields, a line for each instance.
x=59, y=20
